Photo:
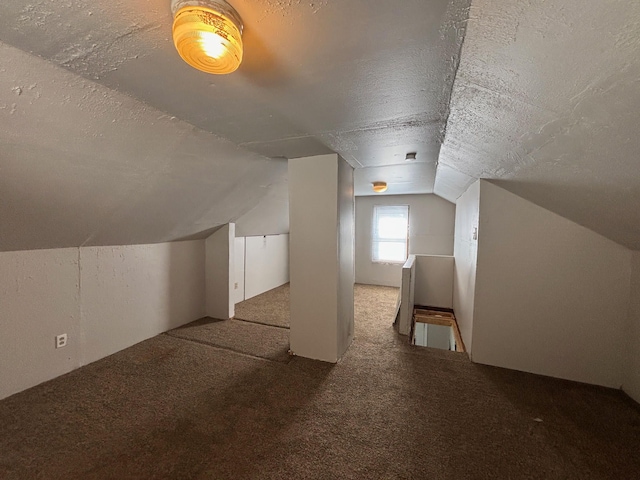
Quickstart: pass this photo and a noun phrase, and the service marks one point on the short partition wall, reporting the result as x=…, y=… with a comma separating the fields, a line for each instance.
x=427, y=280
x=407, y=295
x=265, y=265
x=434, y=281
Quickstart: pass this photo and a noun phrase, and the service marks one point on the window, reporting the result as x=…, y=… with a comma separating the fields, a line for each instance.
x=390, y=234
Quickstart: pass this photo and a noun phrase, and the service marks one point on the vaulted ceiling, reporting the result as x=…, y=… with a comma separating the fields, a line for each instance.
x=546, y=103
x=107, y=137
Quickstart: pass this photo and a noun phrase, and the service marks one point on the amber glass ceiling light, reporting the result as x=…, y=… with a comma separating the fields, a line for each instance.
x=207, y=34
x=379, y=187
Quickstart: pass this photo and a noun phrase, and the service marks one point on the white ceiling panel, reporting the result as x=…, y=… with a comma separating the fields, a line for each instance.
x=408, y=178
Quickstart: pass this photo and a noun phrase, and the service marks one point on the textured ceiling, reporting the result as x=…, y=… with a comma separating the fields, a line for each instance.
x=368, y=79
x=83, y=165
x=107, y=137
x=105, y=107
x=546, y=103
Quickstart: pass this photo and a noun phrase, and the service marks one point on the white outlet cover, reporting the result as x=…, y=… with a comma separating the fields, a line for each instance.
x=61, y=340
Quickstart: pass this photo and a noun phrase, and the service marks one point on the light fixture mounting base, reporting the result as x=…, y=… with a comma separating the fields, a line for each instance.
x=217, y=5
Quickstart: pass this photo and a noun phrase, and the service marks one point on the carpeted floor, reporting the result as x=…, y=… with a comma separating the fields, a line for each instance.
x=374, y=313
x=272, y=308
x=243, y=337
x=269, y=308
x=251, y=333
x=173, y=408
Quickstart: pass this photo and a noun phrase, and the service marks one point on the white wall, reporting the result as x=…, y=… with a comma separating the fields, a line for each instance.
x=439, y=336
x=466, y=255
x=551, y=296
x=266, y=263
x=271, y=215
x=238, y=279
x=39, y=299
x=315, y=198
x=434, y=336
x=346, y=259
x=407, y=295
x=431, y=232
x=631, y=377
x=104, y=298
x=220, y=272
x=132, y=293
x=434, y=281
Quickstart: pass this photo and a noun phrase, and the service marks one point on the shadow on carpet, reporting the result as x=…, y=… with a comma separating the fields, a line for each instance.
x=253, y=339
x=170, y=407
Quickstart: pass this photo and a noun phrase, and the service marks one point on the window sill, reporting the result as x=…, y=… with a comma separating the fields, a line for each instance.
x=378, y=262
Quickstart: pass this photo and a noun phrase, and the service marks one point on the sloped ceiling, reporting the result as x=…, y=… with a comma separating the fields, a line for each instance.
x=83, y=165
x=109, y=138
x=546, y=103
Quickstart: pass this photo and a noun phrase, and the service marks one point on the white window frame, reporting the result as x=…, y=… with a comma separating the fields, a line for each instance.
x=375, y=239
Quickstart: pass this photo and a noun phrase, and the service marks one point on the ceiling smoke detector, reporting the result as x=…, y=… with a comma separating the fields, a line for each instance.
x=207, y=34
x=379, y=187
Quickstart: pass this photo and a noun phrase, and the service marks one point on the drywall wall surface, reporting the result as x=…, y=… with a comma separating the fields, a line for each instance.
x=346, y=260
x=104, y=298
x=439, y=336
x=131, y=293
x=39, y=295
x=238, y=279
x=313, y=221
x=220, y=273
x=434, y=281
x=266, y=263
x=631, y=377
x=465, y=262
x=271, y=215
x=433, y=336
x=407, y=295
x=431, y=232
x=551, y=296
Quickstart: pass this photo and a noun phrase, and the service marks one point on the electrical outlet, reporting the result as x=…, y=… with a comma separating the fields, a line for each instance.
x=235, y=286
x=61, y=340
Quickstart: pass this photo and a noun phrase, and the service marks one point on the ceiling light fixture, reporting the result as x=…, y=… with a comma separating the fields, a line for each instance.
x=379, y=187
x=207, y=34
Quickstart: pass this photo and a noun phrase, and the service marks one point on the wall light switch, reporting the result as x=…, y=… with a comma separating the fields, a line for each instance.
x=235, y=285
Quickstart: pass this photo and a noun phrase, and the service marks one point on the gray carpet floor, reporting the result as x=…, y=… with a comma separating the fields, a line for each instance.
x=175, y=408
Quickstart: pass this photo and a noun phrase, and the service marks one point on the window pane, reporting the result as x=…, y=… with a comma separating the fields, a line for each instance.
x=390, y=252
x=392, y=228
x=390, y=232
